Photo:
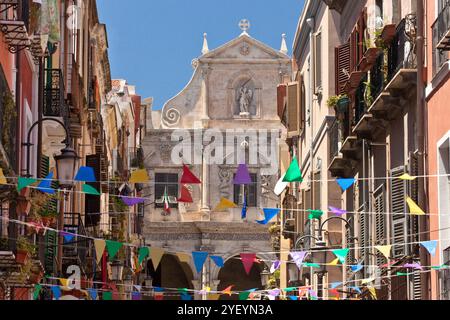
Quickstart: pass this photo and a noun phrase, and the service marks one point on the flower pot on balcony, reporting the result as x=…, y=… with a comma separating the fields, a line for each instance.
x=342, y=105
x=36, y=276
x=22, y=257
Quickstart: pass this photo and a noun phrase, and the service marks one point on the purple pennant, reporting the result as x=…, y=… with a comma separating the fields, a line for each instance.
x=337, y=211
x=274, y=293
x=242, y=175
x=275, y=266
x=129, y=201
x=298, y=258
x=413, y=265
x=136, y=296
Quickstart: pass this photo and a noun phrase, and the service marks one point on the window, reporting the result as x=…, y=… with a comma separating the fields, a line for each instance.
x=169, y=182
x=250, y=192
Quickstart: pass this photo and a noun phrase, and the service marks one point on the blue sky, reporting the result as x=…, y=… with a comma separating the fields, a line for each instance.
x=152, y=42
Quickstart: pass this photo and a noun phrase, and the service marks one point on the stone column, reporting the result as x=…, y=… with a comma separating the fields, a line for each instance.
x=205, y=209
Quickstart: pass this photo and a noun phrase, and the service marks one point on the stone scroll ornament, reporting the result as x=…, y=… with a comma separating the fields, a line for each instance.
x=171, y=117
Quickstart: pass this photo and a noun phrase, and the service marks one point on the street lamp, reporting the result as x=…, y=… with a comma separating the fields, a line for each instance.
x=265, y=274
x=66, y=165
x=116, y=270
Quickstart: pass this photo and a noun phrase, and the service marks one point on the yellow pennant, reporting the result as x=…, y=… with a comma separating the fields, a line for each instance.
x=407, y=177
x=225, y=204
x=2, y=177
x=213, y=296
x=156, y=255
x=99, y=248
x=184, y=257
x=64, y=282
x=139, y=176
x=414, y=209
x=335, y=262
x=385, y=250
x=368, y=280
x=373, y=292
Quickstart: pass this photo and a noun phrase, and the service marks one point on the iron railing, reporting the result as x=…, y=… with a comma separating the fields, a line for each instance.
x=334, y=140
x=76, y=251
x=440, y=28
x=54, y=104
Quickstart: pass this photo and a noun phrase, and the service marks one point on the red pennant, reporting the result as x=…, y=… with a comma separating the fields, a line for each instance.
x=185, y=195
x=188, y=177
x=159, y=296
x=247, y=260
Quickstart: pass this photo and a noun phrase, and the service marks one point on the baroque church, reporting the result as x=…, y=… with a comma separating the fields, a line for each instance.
x=233, y=91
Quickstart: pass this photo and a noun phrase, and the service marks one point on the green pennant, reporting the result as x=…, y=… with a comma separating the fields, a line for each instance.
x=312, y=265
x=24, y=182
x=314, y=214
x=107, y=295
x=37, y=291
x=144, y=252
x=402, y=273
x=113, y=247
x=290, y=289
x=90, y=190
x=439, y=267
x=341, y=254
x=244, y=295
x=183, y=290
x=293, y=174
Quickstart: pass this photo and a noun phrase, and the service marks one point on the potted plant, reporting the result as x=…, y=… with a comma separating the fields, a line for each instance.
x=340, y=103
x=25, y=249
x=48, y=216
x=36, y=274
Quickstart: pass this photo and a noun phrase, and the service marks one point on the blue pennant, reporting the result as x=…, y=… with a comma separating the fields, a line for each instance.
x=345, y=183
x=269, y=214
x=186, y=296
x=244, y=208
x=93, y=293
x=218, y=261
x=46, y=184
x=56, y=292
x=85, y=174
x=356, y=268
x=293, y=297
x=199, y=259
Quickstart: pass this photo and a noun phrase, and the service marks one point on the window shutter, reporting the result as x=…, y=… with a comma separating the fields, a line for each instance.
x=50, y=251
x=380, y=222
x=413, y=192
x=398, y=208
x=292, y=107
x=416, y=290
x=349, y=242
x=281, y=99
x=363, y=234
x=342, y=57
x=45, y=166
x=302, y=102
x=92, y=203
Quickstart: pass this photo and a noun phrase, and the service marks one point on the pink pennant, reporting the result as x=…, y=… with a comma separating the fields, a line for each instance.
x=247, y=260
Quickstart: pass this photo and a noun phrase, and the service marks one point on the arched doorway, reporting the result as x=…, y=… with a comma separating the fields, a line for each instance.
x=171, y=273
x=233, y=273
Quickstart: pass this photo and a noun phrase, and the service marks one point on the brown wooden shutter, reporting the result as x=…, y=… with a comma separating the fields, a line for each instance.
x=363, y=234
x=342, y=57
x=398, y=208
x=302, y=104
x=92, y=203
x=281, y=99
x=292, y=108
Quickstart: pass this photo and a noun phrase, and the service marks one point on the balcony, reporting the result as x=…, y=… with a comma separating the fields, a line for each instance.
x=54, y=104
x=441, y=29
x=8, y=127
x=337, y=5
x=14, y=24
x=76, y=251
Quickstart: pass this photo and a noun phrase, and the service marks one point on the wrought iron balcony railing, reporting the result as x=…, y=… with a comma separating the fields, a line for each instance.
x=76, y=251
x=334, y=140
x=441, y=28
x=54, y=103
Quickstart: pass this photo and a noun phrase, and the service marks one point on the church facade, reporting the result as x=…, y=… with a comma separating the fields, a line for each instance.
x=225, y=116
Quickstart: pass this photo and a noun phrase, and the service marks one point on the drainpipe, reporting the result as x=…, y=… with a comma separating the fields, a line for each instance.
x=420, y=123
x=311, y=23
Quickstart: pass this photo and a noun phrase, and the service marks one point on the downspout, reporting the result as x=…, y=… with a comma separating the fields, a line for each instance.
x=423, y=221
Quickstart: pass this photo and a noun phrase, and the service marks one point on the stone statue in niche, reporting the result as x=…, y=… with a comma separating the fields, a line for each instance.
x=245, y=100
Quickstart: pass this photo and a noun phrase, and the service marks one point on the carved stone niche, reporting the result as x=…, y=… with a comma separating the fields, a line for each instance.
x=244, y=95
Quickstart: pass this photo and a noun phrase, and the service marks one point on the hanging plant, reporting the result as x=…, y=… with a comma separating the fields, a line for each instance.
x=9, y=115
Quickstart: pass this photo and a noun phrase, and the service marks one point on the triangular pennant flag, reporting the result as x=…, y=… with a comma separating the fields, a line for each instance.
x=188, y=177
x=244, y=208
x=293, y=174
x=64, y=282
x=334, y=285
x=280, y=186
x=414, y=266
x=245, y=294
x=247, y=260
x=99, y=248
x=414, y=209
x=156, y=255
x=290, y=289
x=313, y=295
x=159, y=296
x=334, y=262
x=227, y=290
x=90, y=190
x=2, y=177
x=138, y=288
x=242, y=175
x=158, y=289
x=199, y=259
x=37, y=291
x=312, y=265
x=67, y=236
x=136, y=296
x=113, y=247
x=407, y=177
x=93, y=293
x=293, y=297
x=144, y=252
x=367, y=280
x=56, y=290
x=269, y=214
x=184, y=257
x=357, y=289
x=24, y=182
x=430, y=246
x=225, y=204
x=345, y=183
x=85, y=174
x=139, y=176
x=275, y=266
x=185, y=195
x=385, y=250
x=218, y=261
x=107, y=295
x=356, y=268
x=129, y=201
x=46, y=184
x=314, y=214
x=298, y=257
x=213, y=296
x=337, y=211
x=341, y=254
x=186, y=296
x=373, y=292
